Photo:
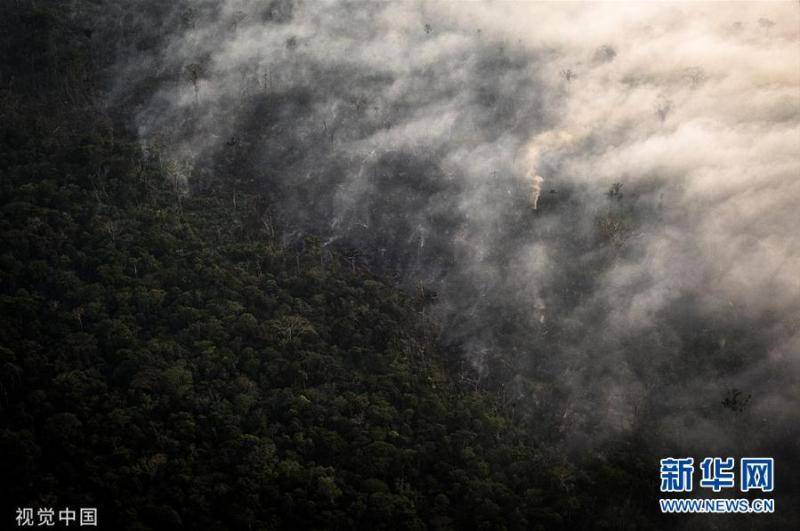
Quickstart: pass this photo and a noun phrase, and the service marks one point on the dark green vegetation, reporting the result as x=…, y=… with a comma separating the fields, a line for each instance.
x=167, y=364
x=167, y=357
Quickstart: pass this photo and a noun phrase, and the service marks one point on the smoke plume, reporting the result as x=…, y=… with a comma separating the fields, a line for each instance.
x=604, y=196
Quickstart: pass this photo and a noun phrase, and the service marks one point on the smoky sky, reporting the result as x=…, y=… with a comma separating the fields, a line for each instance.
x=604, y=197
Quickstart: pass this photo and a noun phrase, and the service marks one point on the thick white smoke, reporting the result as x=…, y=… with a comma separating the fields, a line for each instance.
x=657, y=144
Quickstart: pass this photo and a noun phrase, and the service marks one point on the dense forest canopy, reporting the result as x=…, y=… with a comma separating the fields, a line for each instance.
x=276, y=264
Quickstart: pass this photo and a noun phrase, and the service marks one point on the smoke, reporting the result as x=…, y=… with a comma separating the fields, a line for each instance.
x=653, y=275
x=545, y=142
x=536, y=189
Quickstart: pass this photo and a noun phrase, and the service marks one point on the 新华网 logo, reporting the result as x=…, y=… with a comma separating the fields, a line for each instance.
x=718, y=474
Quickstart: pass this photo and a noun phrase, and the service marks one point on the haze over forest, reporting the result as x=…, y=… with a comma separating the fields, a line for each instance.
x=602, y=197
x=592, y=206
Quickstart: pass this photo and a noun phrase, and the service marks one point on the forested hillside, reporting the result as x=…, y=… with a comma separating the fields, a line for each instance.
x=181, y=351
x=167, y=359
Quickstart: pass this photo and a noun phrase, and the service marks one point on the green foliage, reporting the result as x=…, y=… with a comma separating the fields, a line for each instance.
x=174, y=365
x=165, y=358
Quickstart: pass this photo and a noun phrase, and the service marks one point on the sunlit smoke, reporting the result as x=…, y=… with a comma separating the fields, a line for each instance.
x=670, y=154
